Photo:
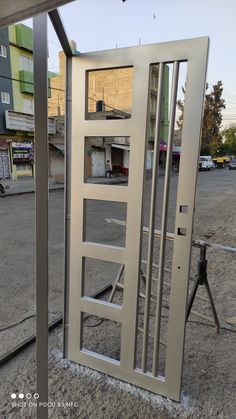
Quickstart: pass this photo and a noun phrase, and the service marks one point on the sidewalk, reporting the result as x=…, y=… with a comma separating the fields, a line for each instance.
x=108, y=181
x=21, y=186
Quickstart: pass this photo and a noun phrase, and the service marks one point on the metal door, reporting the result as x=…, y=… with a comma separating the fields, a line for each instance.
x=4, y=165
x=195, y=53
x=98, y=163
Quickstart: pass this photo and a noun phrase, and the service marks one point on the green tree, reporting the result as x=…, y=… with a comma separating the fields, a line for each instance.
x=229, y=144
x=212, y=119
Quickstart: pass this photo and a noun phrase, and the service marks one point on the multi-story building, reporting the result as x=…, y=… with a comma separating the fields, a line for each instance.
x=6, y=102
x=21, y=57
x=17, y=87
x=153, y=104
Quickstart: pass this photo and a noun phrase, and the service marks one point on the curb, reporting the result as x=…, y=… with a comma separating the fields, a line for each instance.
x=27, y=192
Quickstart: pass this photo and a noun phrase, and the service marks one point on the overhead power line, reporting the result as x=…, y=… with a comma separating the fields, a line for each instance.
x=28, y=82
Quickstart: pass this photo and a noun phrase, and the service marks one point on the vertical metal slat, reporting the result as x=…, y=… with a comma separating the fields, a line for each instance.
x=165, y=216
x=155, y=171
x=67, y=200
x=41, y=170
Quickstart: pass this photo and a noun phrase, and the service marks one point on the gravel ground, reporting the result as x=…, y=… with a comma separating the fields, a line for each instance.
x=208, y=388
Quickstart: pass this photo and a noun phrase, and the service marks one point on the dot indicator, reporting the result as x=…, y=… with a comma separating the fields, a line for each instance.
x=13, y=395
x=28, y=395
x=36, y=395
x=21, y=396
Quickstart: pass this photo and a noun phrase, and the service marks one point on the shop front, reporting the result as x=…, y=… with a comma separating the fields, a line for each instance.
x=22, y=156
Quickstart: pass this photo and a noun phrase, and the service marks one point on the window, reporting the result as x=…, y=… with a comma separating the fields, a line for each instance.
x=28, y=106
x=26, y=63
x=5, y=97
x=3, y=51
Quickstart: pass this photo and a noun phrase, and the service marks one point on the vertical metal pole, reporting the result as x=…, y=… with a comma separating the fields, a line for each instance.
x=155, y=171
x=119, y=275
x=67, y=199
x=41, y=172
x=165, y=215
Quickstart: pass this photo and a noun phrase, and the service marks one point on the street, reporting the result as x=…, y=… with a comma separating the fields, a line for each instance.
x=215, y=221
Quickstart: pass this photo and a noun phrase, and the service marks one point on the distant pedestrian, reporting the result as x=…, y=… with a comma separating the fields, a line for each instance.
x=108, y=168
x=2, y=191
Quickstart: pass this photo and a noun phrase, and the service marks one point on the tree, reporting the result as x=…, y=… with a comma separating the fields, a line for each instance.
x=212, y=119
x=229, y=143
x=180, y=105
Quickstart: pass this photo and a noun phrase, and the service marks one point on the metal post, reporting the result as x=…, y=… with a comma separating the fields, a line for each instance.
x=165, y=215
x=212, y=306
x=62, y=36
x=155, y=171
x=67, y=199
x=119, y=275
x=41, y=174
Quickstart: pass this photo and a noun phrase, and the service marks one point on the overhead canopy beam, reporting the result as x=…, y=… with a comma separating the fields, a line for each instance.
x=60, y=31
x=12, y=12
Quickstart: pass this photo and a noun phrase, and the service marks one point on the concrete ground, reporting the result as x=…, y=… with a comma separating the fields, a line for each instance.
x=208, y=389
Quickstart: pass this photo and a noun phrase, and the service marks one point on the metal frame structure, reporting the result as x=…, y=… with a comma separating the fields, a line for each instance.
x=41, y=171
x=195, y=52
x=41, y=151
x=11, y=13
x=19, y=10
x=200, y=279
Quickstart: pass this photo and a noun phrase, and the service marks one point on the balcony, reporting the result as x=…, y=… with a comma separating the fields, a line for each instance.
x=26, y=82
x=19, y=121
x=24, y=37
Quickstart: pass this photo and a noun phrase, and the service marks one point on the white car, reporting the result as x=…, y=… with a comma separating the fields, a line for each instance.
x=232, y=164
x=206, y=163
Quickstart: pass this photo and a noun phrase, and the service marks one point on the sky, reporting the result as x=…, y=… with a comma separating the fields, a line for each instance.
x=105, y=24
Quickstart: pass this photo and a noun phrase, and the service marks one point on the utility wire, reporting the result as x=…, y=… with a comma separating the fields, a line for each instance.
x=28, y=82
x=61, y=90
x=111, y=107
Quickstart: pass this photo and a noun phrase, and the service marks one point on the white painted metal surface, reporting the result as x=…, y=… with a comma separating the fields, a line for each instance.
x=98, y=163
x=195, y=52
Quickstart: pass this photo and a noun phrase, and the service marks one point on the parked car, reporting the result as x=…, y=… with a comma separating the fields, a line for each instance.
x=206, y=163
x=232, y=164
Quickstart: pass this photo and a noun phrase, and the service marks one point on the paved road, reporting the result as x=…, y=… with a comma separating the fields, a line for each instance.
x=17, y=245
x=209, y=358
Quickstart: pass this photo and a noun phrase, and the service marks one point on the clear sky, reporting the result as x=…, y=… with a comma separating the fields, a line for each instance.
x=104, y=24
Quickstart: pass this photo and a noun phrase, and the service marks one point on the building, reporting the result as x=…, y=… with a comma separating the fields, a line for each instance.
x=6, y=102
x=17, y=102
x=56, y=101
x=153, y=105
